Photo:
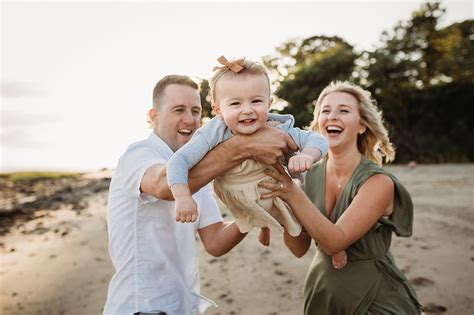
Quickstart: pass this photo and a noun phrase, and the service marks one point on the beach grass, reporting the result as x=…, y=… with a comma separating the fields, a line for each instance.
x=35, y=175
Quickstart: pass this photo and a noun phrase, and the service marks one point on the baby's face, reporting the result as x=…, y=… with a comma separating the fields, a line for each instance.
x=243, y=101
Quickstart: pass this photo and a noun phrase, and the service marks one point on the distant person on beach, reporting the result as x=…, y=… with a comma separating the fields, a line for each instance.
x=350, y=203
x=240, y=97
x=154, y=256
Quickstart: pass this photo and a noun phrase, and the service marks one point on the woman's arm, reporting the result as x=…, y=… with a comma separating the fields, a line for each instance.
x=372, y=200
x=266, y=146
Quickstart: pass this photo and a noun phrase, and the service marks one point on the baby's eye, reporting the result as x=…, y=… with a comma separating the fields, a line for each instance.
x=234, y=104
x=257, y=101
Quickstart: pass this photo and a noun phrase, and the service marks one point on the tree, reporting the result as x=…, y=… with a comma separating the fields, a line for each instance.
x=302, y=68
x=204, y=92
x=415, y=62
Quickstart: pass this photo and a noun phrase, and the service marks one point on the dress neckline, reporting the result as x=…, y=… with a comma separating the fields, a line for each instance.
x=338, y=200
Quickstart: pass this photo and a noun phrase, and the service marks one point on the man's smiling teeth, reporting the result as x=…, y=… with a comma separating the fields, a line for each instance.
x=185, y=131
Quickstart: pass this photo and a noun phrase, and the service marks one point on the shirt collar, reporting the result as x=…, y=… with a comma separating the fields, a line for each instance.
x=156, y=140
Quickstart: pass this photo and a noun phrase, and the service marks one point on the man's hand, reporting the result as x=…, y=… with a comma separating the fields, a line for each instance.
x=266, y=145
x=186, y=209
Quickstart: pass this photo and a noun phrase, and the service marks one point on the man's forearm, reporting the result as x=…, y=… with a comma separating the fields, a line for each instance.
x=216, y=162
x=219, y=160
x=219, y=238
x=265, y=146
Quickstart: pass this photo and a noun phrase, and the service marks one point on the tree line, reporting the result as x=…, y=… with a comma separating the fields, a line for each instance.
x=420, y=74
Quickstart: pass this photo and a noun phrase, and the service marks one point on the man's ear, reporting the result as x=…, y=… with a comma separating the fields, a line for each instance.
x=152, y=113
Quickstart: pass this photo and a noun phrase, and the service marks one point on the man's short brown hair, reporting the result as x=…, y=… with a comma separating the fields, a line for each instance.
x=159, y=90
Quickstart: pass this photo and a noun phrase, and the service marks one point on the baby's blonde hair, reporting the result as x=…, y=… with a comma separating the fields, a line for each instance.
x=247, y=67
x=374, y=143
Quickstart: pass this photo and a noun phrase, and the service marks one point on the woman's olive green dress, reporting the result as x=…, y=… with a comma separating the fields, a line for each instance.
x=370, y=283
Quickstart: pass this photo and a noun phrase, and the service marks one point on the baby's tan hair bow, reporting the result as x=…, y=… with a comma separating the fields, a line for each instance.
x=235, y=65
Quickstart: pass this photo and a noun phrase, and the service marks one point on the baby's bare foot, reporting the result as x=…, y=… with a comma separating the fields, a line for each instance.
x=339, y=260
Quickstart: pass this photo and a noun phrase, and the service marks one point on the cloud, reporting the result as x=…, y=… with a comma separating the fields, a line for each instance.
x=16, y=89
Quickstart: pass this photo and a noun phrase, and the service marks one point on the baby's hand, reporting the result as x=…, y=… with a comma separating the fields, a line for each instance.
x=300, y=163
x=339, y=260
x=186, y=209
x=264, y=236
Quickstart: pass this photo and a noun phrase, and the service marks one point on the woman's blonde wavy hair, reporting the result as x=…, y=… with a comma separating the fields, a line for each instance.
x=374, y=143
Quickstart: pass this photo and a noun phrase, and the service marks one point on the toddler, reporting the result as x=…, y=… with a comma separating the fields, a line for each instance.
x=240, y=92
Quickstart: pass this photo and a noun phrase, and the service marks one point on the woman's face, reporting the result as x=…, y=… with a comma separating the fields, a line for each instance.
x=339, y=119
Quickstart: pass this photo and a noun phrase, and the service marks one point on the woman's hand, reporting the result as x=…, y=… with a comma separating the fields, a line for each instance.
x=284, y=186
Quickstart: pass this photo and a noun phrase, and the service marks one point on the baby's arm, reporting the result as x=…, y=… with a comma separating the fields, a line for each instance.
x=339, y=260
x=177, y=171
x=303, y=161
x=185, y=158
x=312, y=144
x=185, y=206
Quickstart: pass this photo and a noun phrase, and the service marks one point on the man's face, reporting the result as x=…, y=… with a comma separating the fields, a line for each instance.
x=178, y=116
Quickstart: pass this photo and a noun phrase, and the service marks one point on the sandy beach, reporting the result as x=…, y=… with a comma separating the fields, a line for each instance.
x=56, y=261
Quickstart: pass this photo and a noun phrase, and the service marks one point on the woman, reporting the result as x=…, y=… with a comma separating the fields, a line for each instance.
x=349, y=202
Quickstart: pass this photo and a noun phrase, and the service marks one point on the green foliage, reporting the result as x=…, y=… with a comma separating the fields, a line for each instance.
x=433, y=124
x=417, y=55
x=204, y=91
x=303, y=68
x=422, y=78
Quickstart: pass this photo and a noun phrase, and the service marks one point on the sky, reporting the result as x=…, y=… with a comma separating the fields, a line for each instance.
x=77, y=77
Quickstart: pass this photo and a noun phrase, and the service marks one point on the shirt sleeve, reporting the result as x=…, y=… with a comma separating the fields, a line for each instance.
x=205, y=138
x=132, y=167
x=209, y=211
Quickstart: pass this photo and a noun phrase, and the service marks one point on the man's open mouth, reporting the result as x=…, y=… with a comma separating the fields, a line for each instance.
x=185, y=132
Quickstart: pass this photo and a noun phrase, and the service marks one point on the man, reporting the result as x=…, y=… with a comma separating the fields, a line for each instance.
x=154, y=256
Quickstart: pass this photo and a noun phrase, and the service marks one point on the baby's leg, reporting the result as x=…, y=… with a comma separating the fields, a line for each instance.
x=264, y=236
x=339, y=260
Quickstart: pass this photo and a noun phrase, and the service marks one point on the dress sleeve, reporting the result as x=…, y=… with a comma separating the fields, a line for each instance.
x=401, y=219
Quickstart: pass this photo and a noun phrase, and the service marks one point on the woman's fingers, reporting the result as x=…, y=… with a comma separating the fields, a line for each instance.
x=279, y=168
x=269, y=195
